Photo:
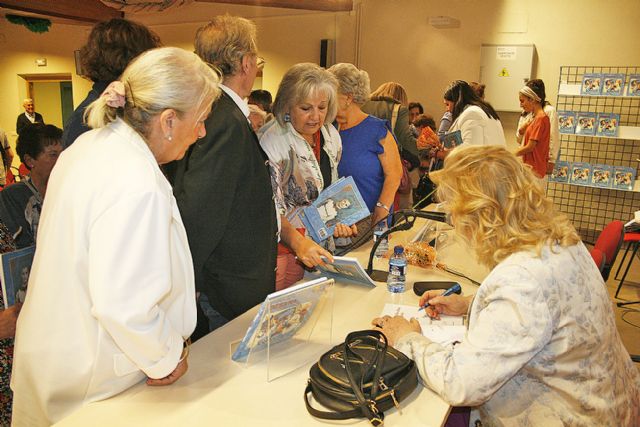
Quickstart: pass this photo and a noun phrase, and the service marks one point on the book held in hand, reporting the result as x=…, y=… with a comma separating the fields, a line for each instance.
x=608, y=124
x=623, y=178
x=346, y=268
x=591, y=84
x=581, y=173
x=586, y=123
x=567, y=122
x=613, y=84
x=633, y=88
x=341, y=202
x=560, y=172
x=451, y=140
x=601, y=176
x=15, y=267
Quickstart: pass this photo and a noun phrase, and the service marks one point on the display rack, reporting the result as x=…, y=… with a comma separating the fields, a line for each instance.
x=591, y=208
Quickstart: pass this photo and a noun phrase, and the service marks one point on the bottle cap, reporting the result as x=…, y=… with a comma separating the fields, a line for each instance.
x=398, y=250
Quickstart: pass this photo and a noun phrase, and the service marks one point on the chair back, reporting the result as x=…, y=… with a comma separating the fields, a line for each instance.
x=599, y=258
x=609, y=242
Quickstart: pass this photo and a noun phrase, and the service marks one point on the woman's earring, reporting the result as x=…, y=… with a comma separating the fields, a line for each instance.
x=169, y=137
x=287, y=117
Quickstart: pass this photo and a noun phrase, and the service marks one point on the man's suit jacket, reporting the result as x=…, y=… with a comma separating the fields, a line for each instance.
x=23, y=121
x=224, y=193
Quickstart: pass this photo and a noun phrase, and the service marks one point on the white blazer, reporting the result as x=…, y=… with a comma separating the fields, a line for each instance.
x=477, y=128
x=111, y=294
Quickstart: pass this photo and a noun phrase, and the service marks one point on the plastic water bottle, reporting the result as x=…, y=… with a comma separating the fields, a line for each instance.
x=378, y=230
x=397, y=277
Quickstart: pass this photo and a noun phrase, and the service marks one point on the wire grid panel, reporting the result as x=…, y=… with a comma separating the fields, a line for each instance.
x=591, y=208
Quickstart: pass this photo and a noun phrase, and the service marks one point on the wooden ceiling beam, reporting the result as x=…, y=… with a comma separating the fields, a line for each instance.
x=322, y=5
x=84, y=11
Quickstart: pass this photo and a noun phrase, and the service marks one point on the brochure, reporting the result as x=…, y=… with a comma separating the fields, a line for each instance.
x=591, y=84
x=613, y=84
x=14, y=272
x=281, y=316
x=585, y=123
x=341, y=202
x=567, y=121
x=608, y=124
x=346, y=268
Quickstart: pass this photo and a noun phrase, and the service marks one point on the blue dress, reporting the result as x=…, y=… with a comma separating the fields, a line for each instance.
x=361, y=147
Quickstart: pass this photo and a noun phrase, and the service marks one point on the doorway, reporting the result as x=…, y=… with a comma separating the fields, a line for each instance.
x=52, y=95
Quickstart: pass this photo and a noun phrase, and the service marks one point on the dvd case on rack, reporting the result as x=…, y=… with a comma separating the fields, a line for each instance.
x=613, y=84
x=608, y=124
x=581, y=173
x=560, y=172
x=591, y=84
x=601, y=176
x=567, y=122
x=586, y=123
x=623, y=178
x=633, y=88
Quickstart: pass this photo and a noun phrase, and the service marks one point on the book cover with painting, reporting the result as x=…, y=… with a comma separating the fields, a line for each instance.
x=601, y=176
x=581, y=173
x=586, y=123
x=591, y=84
x=451, y=140
x=623, y=178
x=567, y=122
x=613, y=84
x=608, y=124
x=633, y=88
x=15, y=267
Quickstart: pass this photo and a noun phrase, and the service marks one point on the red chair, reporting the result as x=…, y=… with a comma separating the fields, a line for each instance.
x=599, y=258
x=609, y=242
x=633, y=240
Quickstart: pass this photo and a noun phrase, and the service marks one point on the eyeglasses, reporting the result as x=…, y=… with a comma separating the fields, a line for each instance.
x=260, y=62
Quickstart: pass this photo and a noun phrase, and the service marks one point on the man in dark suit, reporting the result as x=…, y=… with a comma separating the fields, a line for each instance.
x=223, y=186
x=28, y=117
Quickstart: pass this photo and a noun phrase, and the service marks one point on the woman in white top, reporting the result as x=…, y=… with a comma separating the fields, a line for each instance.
x=476, y=119
x=304, y=150
x=541, y=346
x=111, y=295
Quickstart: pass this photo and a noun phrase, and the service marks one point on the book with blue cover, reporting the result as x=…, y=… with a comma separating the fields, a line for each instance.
x=281, y=316
x=633, y=88
x=560, y=172
x=567, y=122
x=341, y=202
x=451, y=140
x=613, y=84
x=586, y=123
x=346, y=268
x=580, y=173
x=591, y=84
x=608, y=124
x=623, y=178
x=601, y=176
x=15, y=268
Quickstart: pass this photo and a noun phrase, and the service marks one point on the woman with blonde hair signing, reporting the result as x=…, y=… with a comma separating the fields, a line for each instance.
x=304, y=150
x=536, y=129
x=369, y=151
x=112, y=287
x=542, y=318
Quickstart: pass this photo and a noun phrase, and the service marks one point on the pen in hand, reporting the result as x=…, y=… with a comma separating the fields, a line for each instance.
x=455, y=289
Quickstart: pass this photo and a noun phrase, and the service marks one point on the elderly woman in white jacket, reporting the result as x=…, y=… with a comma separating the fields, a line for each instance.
x=475, y=118
x=111, y=296
x=304, y=150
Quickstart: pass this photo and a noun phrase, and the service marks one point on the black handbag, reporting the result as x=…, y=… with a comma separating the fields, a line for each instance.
x=362, y=377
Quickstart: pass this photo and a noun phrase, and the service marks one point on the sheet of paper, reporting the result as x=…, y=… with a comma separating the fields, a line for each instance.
x=447, y=330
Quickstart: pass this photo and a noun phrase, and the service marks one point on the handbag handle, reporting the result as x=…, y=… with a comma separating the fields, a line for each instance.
x=367, y=406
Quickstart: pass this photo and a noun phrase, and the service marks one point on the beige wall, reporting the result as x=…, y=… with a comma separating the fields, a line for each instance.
x=47, y=102
x=395, y=42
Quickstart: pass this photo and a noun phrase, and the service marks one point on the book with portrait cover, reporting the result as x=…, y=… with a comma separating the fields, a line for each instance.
x=560, y=172
x=15, y=267
x=601, y=176
x=567, y=121
x=608, y=124
x=281, y=315
x=591, y=84
x=623, y=178
x=613, y=84
x=586, y=123
x=341, y=202
x=451, y=140
x=346, y=268
x=581, y=173
x=633, y=88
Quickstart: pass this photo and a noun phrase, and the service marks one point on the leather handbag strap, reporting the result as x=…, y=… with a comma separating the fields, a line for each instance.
x=344, y=415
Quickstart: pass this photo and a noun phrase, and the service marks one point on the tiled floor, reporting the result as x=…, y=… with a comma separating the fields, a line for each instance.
x=628, y=317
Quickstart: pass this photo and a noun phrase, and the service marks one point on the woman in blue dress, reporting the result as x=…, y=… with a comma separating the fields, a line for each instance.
x=369, y=151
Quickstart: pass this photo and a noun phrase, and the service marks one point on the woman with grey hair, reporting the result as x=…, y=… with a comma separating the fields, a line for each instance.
x=369, y=150
x=113, y=275
x=304, y=150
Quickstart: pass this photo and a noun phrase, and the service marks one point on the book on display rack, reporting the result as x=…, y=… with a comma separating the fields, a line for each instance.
x=601, y=176
x=591, y=84
x=608, y=124
x=613, y=84
x=580, y=173
x=567, y=122
x=633, y=88
x=586, y=123
x=623, y=178
x=560, y=172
